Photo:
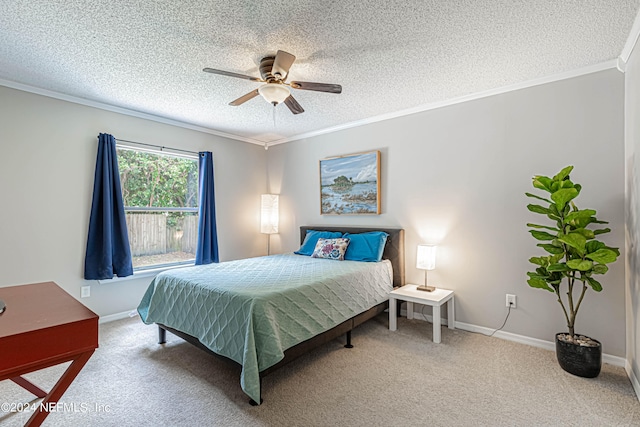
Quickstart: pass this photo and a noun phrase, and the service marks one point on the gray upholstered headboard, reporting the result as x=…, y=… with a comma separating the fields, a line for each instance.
x=393, y=251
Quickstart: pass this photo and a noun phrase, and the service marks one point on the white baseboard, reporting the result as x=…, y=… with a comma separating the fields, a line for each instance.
x=547, y=345
x=118, y=316
x=633, y=378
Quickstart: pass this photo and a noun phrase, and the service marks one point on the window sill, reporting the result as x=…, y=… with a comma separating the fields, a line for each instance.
x=141, y=274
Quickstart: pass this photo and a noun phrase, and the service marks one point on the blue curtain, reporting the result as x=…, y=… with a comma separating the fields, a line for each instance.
x=207, y=249
x=108, y=251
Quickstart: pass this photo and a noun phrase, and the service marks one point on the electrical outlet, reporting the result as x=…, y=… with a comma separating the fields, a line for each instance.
x=511, y=301
x=85, y=292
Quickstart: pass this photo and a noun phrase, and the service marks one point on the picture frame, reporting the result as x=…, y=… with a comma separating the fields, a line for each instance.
x=350, y=184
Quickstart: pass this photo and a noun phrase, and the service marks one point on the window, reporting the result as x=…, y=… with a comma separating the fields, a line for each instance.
x=160, y=193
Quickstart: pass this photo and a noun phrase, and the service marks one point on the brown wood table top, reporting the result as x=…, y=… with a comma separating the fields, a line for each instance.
x=43, y=326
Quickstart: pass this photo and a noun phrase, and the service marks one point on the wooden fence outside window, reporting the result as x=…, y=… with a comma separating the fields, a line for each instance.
x=150, y=235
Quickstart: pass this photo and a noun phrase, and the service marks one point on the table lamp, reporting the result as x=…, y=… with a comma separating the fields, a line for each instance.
x=426, y=260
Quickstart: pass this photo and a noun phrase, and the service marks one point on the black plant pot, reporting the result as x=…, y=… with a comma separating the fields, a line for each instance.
x=579, y=360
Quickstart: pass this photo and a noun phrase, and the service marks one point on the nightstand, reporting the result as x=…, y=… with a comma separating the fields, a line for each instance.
x=435, y=299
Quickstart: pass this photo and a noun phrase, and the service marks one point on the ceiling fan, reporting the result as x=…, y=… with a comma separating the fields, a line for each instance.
x=274, y=71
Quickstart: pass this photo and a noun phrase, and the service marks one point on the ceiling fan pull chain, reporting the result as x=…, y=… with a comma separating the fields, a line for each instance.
x=274, y=115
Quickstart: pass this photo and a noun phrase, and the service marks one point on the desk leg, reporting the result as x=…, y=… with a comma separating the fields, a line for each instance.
x=409, y=310
x=436, y=324
x=59, y=388
x=451, y=311
x=393, y=316
x=29, y=386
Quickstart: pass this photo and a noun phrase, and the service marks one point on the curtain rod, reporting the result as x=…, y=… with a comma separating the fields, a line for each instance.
x=159, y=146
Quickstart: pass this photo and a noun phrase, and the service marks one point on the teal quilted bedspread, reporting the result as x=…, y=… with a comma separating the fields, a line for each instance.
x=252, y=310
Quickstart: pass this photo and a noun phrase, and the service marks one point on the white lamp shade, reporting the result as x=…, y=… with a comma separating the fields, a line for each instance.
x=426, y=257
x=269, y=214
x=274, y=93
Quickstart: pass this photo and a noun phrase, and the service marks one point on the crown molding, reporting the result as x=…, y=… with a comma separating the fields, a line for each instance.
x=614, y=63
x=478, y=95
x=631, y=40
x=125, y=111
x=621, y=64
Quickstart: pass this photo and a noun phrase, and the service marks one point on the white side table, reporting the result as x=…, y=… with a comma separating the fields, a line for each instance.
x=435, y=299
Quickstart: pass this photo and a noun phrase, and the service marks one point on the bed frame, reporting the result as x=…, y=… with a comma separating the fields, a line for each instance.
x=394, y=252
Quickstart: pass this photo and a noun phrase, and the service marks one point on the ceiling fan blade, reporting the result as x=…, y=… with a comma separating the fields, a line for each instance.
x=281, y=64
x=293, y=105
x=318, y=87
x=244, y=98
x=230, y=74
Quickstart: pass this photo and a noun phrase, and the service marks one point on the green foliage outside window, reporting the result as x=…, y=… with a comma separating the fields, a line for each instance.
x=151, y=180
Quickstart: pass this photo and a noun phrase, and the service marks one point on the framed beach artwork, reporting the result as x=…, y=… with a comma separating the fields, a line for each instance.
x=350, y=185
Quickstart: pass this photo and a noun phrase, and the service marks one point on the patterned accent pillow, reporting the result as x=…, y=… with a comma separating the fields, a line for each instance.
x=331, y=249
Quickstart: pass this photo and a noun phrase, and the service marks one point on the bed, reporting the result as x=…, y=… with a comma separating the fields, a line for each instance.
x=264, y=312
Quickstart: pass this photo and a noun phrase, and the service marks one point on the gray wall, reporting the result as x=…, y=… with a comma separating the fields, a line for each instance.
x=456, y=176
x=47, y=162
x=632, y=151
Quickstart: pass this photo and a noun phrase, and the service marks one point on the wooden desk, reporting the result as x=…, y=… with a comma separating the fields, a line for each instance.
x=44, y=326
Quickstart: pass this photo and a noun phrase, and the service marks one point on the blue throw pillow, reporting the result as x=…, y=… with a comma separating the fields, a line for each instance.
x=310, y=240
x=366, y=246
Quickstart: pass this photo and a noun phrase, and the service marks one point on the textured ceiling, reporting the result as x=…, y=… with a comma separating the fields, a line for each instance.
x=388, y=55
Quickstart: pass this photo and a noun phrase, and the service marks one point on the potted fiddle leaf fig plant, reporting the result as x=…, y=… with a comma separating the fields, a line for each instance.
x=573, y=260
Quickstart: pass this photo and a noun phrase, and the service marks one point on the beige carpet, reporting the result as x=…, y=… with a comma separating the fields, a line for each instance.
x=389, y=379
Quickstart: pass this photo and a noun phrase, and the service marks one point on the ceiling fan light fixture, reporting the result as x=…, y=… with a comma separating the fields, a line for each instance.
x=274, y=93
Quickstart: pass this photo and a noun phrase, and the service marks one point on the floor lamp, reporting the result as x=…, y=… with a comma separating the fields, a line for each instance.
x=269, y=217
